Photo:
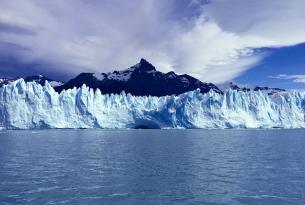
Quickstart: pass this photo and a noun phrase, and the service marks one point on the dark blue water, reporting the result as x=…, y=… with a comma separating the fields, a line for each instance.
x=153, y=167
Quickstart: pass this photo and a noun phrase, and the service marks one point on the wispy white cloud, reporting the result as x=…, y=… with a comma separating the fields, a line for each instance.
x=293, y=78
x=216, y=41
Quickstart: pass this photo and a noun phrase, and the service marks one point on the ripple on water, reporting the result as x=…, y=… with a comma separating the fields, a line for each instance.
x=153, y=167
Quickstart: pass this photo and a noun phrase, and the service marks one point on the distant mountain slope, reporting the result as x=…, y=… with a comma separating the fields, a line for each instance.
x=40, y=79
x=5, y=81
x=234, y=86
x=141, y=79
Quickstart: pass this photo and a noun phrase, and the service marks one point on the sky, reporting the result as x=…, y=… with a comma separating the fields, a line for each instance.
x=245, y=41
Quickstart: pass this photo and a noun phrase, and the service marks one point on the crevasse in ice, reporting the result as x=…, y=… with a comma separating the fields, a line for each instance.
x=32, y=106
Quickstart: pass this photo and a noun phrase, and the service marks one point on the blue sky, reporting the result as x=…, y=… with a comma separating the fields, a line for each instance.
x=280, y=68
x=250, y=42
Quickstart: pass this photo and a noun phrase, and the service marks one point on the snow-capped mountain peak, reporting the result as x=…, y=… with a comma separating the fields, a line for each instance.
x=124, y=75
x=140, y=79
x=144, y=66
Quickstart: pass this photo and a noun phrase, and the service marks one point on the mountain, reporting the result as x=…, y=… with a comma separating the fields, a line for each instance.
x=246, y=88
x=269, y=90
x=5, y=81
x=40, y=79
x=21, y=108
x=233, y=86
x=141, y=80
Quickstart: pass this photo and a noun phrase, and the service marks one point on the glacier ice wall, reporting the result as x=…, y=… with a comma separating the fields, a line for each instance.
x=31, y=106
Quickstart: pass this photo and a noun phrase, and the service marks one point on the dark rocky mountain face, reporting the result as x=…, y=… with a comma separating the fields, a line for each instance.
x=141, y=79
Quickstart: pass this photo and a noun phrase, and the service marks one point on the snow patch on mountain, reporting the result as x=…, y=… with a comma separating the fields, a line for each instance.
x=32, y=106
x=123, y=75
x=99, y=76
x=55, y=83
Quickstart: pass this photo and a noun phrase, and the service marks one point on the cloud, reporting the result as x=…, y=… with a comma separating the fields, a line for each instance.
x=214, y=40
x=272, y=23
x=293, y=78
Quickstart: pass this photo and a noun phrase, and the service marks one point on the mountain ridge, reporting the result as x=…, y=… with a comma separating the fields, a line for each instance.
x=246, y=88
x=142, y=79
x=40, y=79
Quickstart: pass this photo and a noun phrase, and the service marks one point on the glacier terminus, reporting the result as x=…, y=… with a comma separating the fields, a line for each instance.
x=28, y=105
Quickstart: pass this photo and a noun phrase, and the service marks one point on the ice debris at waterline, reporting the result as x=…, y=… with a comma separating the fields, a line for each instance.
x=32, y=106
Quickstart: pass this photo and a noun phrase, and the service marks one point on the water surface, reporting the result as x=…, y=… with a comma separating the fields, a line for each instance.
x=152, y=167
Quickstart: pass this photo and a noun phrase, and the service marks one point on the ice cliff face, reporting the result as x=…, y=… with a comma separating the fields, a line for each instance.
x=32, y=106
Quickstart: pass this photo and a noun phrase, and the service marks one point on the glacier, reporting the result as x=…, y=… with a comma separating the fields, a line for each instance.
x=32, y=106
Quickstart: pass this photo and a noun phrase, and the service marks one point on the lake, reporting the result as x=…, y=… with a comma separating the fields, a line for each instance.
x=213, y=167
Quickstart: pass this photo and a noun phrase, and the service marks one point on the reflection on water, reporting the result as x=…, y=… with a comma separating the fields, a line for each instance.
x=152, y=167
